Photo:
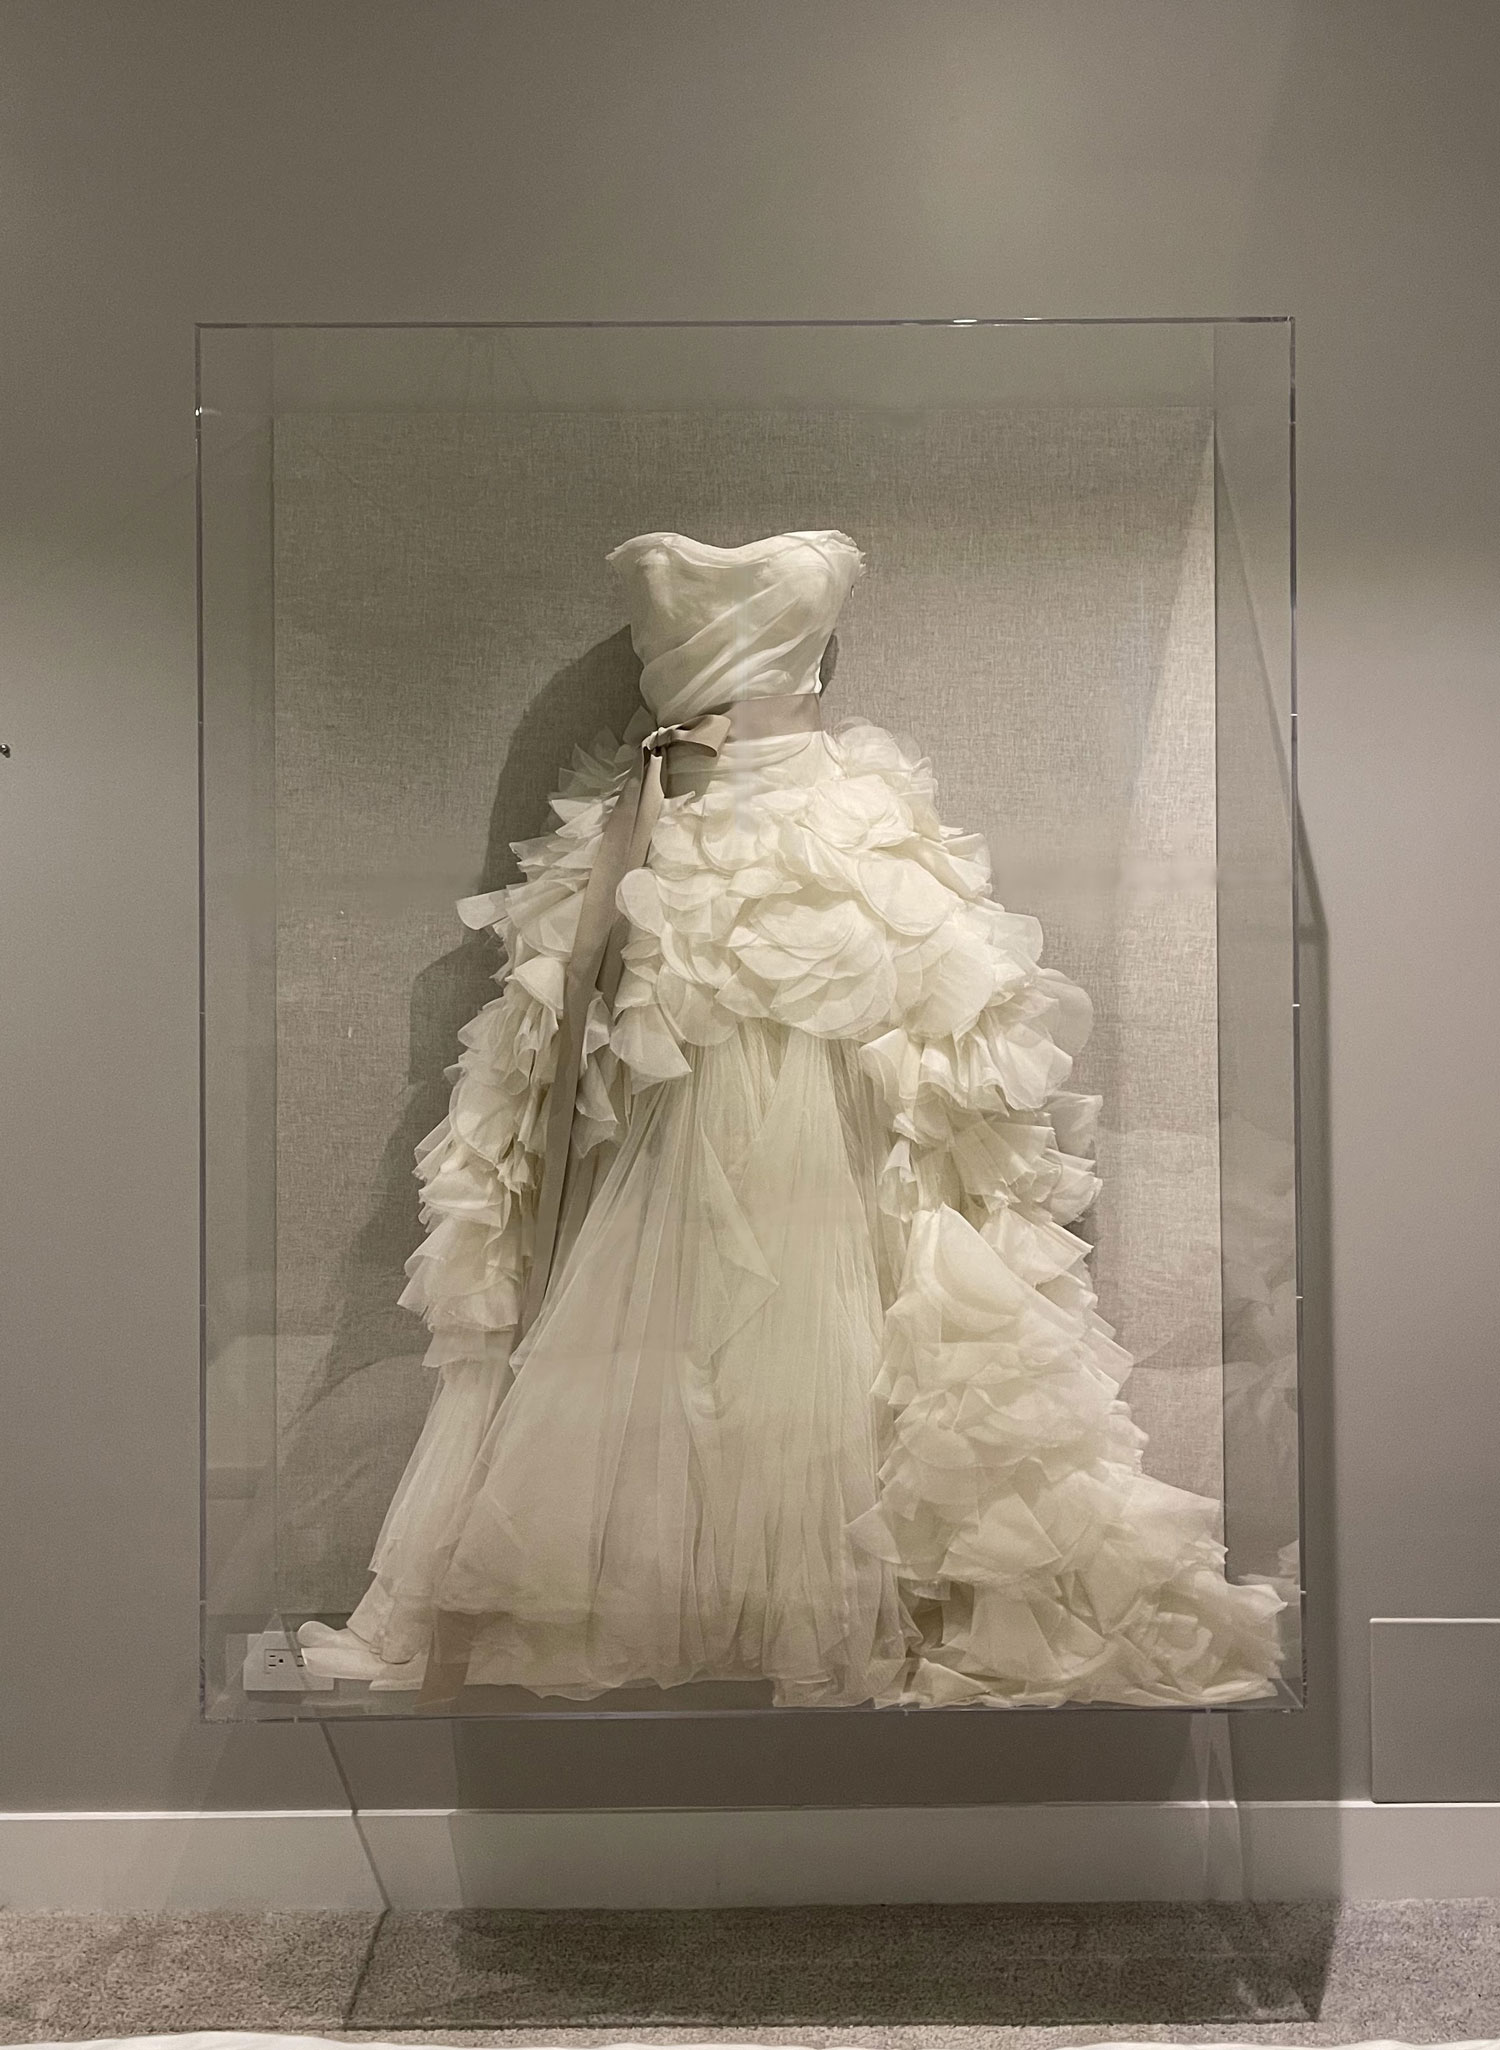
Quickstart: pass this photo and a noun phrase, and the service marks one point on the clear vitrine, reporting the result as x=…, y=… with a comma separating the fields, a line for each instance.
x=1076, y=606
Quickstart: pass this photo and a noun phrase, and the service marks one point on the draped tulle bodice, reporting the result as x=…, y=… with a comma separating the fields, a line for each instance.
x=712, y=625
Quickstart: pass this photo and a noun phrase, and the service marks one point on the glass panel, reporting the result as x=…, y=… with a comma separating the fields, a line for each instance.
x=1076, y=606
x=239, y=968
x=1257, y=957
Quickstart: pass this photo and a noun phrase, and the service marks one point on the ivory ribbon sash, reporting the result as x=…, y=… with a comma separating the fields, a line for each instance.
x=595, y=963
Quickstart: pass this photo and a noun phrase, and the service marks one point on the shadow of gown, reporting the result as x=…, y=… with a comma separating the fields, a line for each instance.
x=344, y=1446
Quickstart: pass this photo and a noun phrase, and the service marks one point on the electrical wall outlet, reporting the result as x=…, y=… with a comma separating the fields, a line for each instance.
x=273, y=1665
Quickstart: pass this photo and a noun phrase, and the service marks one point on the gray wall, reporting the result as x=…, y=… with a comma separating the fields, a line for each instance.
x=166, y=162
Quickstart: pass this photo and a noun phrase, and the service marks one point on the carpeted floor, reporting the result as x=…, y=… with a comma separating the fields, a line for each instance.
x=1016, y=1978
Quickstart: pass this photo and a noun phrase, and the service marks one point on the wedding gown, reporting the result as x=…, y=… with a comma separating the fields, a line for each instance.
x=818, y=1393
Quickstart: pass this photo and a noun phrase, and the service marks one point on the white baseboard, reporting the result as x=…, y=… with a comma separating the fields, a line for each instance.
x=444, y=1858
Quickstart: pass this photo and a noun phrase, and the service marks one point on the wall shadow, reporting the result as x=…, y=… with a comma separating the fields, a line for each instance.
x=344, y=1445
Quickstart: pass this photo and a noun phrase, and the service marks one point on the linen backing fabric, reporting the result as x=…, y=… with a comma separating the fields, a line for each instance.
x=819, y=1394
x=1038, y=618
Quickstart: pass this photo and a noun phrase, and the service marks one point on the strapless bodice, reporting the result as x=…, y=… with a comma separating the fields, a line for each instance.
x=713, y=625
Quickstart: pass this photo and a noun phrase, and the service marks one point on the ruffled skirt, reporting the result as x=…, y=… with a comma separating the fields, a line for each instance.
x=819, y=1396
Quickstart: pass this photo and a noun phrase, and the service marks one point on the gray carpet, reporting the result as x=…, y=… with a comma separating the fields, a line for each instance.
x=63, y=1976
x=1016, y=1978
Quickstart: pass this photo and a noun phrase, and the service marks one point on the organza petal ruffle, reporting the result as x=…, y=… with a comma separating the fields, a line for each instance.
x=821, y=899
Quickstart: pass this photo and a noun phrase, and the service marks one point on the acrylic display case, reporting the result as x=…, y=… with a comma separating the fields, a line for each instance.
x=1078, y=605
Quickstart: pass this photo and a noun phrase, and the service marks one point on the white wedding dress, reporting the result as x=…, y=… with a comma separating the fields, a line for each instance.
x=818, y=1394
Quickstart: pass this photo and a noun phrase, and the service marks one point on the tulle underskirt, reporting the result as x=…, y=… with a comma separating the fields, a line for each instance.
x=664, y=1483
x=718, y=1456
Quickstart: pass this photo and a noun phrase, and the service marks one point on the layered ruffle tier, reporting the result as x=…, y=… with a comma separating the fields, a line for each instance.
x=809, y=942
